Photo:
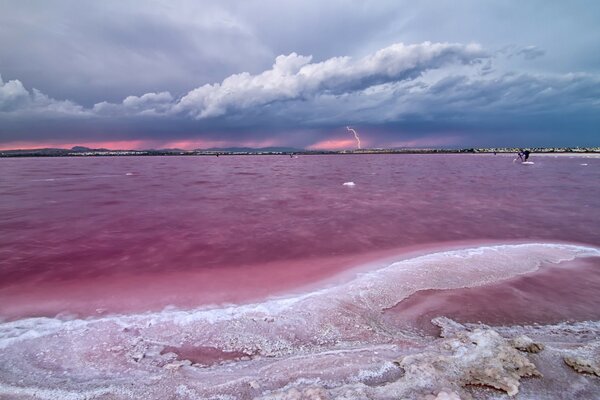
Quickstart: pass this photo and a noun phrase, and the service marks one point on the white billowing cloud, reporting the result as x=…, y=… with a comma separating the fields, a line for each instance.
x=15, y=98
x=399, y=83
x=147, y=104
x=294, y=77
x=41, y=102
x=148, y=99
x=12, y=95
x=459, y=96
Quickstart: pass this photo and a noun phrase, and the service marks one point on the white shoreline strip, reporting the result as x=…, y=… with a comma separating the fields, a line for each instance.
x=377, y=289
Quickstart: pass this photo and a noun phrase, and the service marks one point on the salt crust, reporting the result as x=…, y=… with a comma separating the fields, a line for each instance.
x=327, y=344
x=585, y=359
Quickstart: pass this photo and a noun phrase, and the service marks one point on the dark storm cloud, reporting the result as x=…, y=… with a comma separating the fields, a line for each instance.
x=296, y=73
x=89, y=51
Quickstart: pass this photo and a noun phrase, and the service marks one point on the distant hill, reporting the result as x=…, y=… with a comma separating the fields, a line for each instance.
x=38, y=152
x=82, y=149
x=49, y=151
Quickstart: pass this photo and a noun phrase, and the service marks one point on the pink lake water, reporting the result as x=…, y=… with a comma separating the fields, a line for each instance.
x=259, y=276
x=118, y=234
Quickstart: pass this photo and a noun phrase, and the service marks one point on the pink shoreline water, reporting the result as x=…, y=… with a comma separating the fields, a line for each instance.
x=138, y=234
x=252, y=283
x=555, y=293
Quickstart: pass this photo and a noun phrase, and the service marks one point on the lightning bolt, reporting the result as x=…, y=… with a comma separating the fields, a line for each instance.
x=355, y=136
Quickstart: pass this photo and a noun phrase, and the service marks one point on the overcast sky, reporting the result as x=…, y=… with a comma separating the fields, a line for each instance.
x=199, y=74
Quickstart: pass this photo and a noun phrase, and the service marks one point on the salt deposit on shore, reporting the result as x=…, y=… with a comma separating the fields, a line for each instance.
x=330, y=343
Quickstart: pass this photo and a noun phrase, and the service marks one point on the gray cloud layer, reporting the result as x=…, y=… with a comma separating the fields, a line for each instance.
x=188, y=69
x=293, y=77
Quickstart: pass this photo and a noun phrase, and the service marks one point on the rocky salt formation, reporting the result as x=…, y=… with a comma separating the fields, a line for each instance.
x=468, y=361
x=328, y=344
x=525, y=343
x=444, y=370
x=478, y=357
x=444, y=395
x=585, y=359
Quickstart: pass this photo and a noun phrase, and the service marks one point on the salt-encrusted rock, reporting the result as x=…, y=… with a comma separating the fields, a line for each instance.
x=309, y=393
x=444, y=395
x=583, y=365
x=175, y=365
x=448, y=327
x=586, y=359
x=254, y=385
x=480, y=357
x=525, y=343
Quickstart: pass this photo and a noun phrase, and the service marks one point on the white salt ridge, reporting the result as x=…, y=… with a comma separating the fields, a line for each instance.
x=381, y=288
x=38, y=393
x=336, y=334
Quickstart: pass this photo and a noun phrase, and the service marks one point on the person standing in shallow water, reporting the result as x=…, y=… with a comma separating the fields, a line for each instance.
x=523, y=155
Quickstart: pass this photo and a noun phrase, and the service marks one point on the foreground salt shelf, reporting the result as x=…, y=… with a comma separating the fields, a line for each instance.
x=331, y=343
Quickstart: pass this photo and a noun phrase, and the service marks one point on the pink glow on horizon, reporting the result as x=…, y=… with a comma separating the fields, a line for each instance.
x=350, y=143
x=111, y=145
x=140, y=144
x=191, y=144
x=203, y=144
x=333, y=144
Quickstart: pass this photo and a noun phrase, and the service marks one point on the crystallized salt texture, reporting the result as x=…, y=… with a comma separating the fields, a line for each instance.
x=331, y=341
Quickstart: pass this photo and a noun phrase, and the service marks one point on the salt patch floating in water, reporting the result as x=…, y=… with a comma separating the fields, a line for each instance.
x=332, y=337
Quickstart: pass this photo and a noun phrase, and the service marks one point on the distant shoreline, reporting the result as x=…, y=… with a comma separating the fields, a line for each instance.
x=79, y=152
x=574, y=154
